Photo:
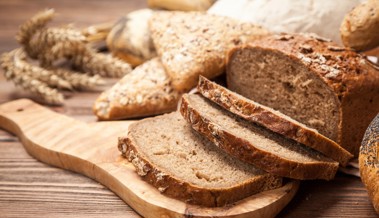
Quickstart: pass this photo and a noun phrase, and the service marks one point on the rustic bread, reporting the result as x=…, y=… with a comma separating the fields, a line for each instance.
x=369, y=161
x=194, y=43
x=130, y=40
x=360, y=28
x=272, y=120
x=145, y=91
x=182, y=5
x=329, y=88
x=171, y=156
x=255, y=144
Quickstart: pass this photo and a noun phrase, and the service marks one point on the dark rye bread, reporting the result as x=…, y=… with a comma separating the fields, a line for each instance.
x=272, y=120
x=182, y=164
x=329, y=88
x=255, y=144
x=369, y=161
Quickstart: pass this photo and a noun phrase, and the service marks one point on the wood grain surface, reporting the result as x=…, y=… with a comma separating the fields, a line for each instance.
x=90, y=149
x=29, y=188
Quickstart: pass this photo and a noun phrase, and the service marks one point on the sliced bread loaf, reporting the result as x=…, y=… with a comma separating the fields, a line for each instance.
x=329, y=88
x=182, y=164
x=272, y=120
x=143, y=92
x=255, y=144
x=194, y=43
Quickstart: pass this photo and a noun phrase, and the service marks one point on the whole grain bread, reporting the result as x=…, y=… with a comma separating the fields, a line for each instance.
x=195, y=43
x=145, y=91
x=360, y=27
x=310, y=79
x=171, y=156
x=369, y=161
x=272, y=120
x=255, y=144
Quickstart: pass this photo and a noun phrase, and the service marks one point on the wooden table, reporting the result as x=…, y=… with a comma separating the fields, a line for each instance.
x=29, y=188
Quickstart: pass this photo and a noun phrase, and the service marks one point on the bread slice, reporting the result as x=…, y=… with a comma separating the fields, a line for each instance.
x=272, y=120
x=182, y=164
x=145, y=91
x=369, y=163
x=195, y=43
x=255, y=144
x=310, y=79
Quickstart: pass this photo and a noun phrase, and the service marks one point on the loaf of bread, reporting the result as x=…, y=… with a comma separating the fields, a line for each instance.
x=145, y=91
x=369, y=161
x=310, y=79
x=130, y=40
x=272, y=120
x=182, y=5
x=171, y=156
x=194, y=43
x=360, y=27
x=254, y=144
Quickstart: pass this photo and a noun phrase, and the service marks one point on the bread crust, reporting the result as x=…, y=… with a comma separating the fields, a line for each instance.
x=145, y=91
x=196, y=43
x=353, y=80
x=360, y=27
x=129, y=39
x=247, y=152
x=274, y=121
x=369, y=162
x=174, y=187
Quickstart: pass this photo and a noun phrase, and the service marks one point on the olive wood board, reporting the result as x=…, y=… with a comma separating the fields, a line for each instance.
x=91, y=150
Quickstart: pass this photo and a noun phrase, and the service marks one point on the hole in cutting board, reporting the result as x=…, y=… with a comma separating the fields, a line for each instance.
x=20, y=109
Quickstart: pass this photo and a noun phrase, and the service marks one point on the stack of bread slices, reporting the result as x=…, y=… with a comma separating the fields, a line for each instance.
x=222, y=147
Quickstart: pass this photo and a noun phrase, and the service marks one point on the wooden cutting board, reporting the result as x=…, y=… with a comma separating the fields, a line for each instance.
x=91, y=150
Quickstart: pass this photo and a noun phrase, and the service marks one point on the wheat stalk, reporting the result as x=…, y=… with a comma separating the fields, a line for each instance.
x=102, y=64
x=32, y=26
x=16, y=72
x=79, y=80
x=17, y=63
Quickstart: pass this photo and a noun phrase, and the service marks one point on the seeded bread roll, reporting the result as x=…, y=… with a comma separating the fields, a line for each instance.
x=194, y=43
x=143, y=92
x=171, y=156
x=254, y=144
x=272, y=120
x=360, y=27
x=311, y=80
x=369, y=161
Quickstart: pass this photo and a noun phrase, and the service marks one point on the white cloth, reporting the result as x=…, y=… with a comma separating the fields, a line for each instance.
x=322, y=17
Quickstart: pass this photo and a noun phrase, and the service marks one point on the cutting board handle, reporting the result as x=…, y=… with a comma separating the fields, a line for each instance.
x=91, y=150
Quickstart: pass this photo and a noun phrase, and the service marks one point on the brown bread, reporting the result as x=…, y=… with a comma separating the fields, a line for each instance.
x=143, y=92
x=329, y=88
x=194, y=43
x=369, y=163
x=255, y=144
x=182, y=164
x=272, y=120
